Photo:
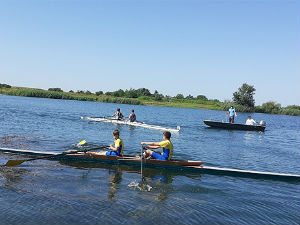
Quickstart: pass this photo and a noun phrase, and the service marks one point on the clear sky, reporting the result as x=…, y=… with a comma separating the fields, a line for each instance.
x=190, y=47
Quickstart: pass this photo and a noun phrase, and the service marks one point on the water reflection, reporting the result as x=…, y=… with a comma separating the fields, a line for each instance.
x=154, y=179
x=252, y=138
x=115, y=178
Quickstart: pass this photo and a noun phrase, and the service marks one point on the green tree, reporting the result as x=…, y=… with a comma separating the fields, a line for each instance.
x=158, y=96
x=179, y=96
x=99, y=93
x=202, y=97
x=189, y=97
x=55, y=89
x=143, y=92
x=5, y=86
x=271, y=107
x=119, y=93
x=131, y=93
x=244, y=95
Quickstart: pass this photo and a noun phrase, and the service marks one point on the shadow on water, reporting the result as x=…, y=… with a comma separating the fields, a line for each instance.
x=10, y=176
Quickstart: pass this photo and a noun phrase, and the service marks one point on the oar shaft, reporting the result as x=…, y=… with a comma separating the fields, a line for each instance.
x=19, y=162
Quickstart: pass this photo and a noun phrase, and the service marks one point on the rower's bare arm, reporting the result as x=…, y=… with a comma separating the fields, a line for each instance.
x=153, y=147
x=113, y=148
x=150, y=143
x=114, y=115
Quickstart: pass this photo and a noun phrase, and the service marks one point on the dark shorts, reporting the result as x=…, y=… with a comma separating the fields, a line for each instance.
x=158, y=156
x=113, y=153
x=231, y=119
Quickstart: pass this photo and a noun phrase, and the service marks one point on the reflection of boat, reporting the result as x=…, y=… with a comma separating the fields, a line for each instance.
x=172, y=165
x=234, y=126
x=127, y=122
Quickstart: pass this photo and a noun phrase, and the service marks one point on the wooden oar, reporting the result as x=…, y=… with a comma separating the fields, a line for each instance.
x=19, y=162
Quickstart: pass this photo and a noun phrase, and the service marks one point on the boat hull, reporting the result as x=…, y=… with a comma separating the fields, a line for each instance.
x=127, y=122
x=174, y=165
x=234, y=126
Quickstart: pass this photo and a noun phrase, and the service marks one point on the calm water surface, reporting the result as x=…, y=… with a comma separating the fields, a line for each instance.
x=58, y=192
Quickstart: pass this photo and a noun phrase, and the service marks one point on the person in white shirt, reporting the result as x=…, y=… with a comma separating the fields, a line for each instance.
x=251, y=121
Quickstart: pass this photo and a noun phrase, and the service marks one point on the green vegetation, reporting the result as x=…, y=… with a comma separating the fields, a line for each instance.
x=243, y=99
x=245, y=96
x=4, y=86
x=33, y=92
x=55, y=89
x=121, y=100
x=293, y=110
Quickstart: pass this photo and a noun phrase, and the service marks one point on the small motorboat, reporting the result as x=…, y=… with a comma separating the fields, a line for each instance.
x=235, y=126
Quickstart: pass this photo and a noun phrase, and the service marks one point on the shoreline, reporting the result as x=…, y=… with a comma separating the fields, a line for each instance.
x=142, y=100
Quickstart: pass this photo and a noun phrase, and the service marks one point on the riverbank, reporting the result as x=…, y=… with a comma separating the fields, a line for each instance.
x=269, y=107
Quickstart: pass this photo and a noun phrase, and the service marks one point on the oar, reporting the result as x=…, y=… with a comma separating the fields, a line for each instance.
x=19, y=162
x=142, y=148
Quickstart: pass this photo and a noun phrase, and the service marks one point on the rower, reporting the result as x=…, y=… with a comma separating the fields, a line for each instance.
x=166, y=145
x=132, y=116
x=118, y=114
x=251, y=121
x=116, y=149
x=232, y=114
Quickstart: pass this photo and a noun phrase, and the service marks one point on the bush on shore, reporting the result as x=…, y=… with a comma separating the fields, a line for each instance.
x=47, y=94
x=121, y=100
x=4, y=86
x=55, y=89
x=239, y=108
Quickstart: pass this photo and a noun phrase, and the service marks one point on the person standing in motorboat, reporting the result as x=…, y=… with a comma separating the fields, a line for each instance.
x=232, y=114
x=132, y=116
x=118, y=114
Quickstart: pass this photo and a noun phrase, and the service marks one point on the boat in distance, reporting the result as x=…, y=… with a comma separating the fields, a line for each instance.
x=127, y=122
x=234, y=126
x=171, y=165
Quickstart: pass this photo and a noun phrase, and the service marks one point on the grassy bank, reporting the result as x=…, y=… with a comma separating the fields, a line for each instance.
x=158, y=100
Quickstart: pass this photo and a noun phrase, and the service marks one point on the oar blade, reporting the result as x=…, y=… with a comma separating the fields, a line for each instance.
x=81, y=143
x=14, y=162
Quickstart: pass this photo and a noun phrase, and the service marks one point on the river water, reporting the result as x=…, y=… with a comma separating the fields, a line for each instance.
x=58, y=192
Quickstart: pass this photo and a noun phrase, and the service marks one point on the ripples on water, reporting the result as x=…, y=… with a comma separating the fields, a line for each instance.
x=59, y=192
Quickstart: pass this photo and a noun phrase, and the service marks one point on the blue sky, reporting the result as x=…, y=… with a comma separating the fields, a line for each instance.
x=190, y=47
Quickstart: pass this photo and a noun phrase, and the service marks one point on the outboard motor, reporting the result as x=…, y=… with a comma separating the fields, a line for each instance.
x=262, y=123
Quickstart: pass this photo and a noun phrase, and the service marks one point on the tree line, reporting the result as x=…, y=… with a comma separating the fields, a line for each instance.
x=242, y=99
x=134, y=93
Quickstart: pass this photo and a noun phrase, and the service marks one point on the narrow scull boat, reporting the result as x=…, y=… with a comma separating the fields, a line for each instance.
x=127, y=122
x=177, y=165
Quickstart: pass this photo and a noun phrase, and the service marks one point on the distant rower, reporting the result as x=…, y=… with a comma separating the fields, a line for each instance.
x=132, y=116
x=118, y=114
x=166, y=145
x=251, y=121
x=232, y=114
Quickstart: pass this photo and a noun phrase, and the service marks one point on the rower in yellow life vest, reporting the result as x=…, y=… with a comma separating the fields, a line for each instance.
x=116, y=149
x=166, y=145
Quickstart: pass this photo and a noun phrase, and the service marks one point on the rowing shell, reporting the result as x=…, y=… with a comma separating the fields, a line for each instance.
x=127, y=122
x=177, y=165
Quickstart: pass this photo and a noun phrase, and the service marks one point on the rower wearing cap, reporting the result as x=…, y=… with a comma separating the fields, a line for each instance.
x=166, y=145
x=118, y=114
